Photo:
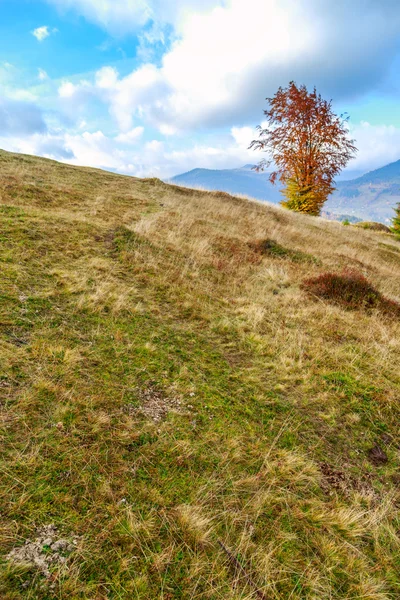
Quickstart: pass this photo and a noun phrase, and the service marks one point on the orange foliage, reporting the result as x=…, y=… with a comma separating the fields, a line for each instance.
x=308, y=145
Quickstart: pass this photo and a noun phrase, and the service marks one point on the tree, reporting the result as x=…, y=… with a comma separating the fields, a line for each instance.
x=396, y=222
x=308, y=144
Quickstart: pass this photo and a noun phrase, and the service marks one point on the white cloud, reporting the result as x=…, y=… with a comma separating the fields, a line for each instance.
x=225, y=57
x=120, y=17
x=93, y=150
x=106, y=78
x=154, y=146
x=167, y=130
x=131, y=95
x=130, y=137
x=119, y=153
x=67, y=89
x=40, y=144
x=243, y=135
x=378, y=145
x=230, y=55
x=42, y=75
x=41, y=33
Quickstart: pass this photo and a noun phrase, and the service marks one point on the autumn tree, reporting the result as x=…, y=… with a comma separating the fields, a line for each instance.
x=396, y=222
x=307, y=143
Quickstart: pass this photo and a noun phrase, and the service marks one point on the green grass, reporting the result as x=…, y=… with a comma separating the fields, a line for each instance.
x=114, y=289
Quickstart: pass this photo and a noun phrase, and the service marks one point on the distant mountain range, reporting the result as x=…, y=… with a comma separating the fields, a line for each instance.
x=371, y=197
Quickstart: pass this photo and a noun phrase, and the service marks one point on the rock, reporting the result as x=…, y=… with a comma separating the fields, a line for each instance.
x=44, y=551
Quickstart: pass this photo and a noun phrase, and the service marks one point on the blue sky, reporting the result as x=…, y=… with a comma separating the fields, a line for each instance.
x=149, y=87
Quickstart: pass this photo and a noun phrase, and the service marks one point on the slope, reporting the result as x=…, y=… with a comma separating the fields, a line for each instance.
x=370, y=197
x=179, y=420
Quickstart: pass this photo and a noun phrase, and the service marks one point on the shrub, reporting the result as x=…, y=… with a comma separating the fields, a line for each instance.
x=373, y=226
x=351, y=290
x=271, y=248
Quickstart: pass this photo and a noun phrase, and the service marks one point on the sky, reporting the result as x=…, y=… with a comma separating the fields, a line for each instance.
x=157, y=88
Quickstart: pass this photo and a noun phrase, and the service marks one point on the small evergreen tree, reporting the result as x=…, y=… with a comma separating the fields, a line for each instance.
x=396, y=222
x=308, y=144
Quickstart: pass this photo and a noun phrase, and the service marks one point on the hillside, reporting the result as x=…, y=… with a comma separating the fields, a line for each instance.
x=243, y=181
x=179, y=419
x=371, y=197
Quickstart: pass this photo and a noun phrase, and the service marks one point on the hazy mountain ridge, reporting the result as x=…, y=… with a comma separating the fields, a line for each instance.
x=372, y=196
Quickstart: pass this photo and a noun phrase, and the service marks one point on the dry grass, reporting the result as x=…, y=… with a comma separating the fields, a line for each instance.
x=169, y=391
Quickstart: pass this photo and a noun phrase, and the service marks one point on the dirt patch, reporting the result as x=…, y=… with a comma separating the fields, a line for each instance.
x=332, y=477
x=377, y=456
x=107, y=238
x=154, y=404
x=45, y=551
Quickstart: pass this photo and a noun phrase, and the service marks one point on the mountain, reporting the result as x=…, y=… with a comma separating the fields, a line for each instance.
x=243, y=181
x=180, y=419
x=370, y=197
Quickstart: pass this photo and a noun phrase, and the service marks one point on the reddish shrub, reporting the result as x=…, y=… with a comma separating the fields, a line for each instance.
x=351, y=290
x=390, y=307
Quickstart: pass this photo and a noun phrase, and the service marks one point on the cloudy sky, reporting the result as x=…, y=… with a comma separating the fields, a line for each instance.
x=153, y=87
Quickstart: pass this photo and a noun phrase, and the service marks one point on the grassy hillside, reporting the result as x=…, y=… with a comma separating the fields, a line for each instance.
x=372, y=197
x=179, y=419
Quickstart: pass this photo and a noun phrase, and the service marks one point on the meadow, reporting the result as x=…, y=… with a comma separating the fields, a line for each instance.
x=178, y=409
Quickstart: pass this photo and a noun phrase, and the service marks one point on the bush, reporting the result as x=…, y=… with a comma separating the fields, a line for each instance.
x=373, y=226
x=349, y=289
x=271, y=248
